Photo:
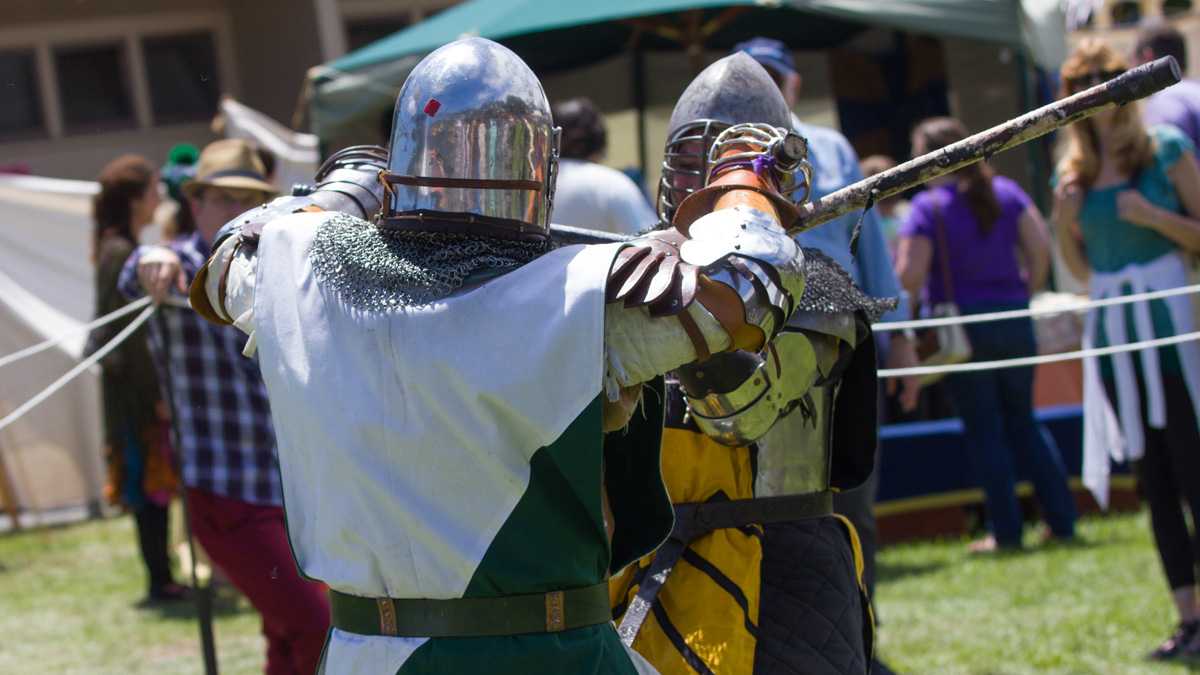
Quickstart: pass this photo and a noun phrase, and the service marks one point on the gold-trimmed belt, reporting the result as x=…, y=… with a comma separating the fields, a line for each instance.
x=472, y=617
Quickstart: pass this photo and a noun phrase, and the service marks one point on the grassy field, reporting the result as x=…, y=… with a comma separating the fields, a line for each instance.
x=67, y=605
x=1093, y=607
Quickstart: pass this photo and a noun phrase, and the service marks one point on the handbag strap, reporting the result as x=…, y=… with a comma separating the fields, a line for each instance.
x=943, y=251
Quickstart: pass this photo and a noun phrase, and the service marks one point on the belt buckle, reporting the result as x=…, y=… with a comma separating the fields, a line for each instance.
x=387, y=617
x=555, y=614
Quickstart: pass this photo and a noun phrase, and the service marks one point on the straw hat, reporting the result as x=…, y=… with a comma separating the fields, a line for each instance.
x=229, y=163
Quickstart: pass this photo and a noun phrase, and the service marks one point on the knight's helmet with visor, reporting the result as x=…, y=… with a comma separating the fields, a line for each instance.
x=733, y=90
x=474, y=149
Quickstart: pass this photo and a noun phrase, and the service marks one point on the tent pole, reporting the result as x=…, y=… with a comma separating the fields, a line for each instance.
x=1034, y=154
x=639, y=102
x=8, y=496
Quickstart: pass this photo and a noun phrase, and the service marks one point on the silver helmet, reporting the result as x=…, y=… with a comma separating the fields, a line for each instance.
x=734, y=90
x=473, y=146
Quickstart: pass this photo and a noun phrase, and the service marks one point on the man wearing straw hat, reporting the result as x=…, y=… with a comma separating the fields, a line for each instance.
x=222, y=419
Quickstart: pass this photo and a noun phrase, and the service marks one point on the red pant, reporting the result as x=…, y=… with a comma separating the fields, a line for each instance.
x=249, y=543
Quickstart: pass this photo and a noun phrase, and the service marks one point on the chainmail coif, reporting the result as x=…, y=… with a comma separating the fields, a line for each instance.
x=374, y=269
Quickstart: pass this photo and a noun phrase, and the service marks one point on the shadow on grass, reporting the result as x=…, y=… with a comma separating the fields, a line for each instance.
x=1191, y=665
x=892, y=571
x=1076, y=543
x=888, y=571
x=225, y=603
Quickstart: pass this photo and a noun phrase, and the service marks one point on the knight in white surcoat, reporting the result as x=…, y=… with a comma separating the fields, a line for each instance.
x=442, y=376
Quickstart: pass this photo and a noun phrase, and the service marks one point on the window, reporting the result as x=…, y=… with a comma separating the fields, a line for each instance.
x=1174, y=7
x=182, y=74
x=20, y=106
x=93, y=86
x=1126, y=13
x=365, y=31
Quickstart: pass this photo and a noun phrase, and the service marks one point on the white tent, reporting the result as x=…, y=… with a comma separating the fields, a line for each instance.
x=51, y=456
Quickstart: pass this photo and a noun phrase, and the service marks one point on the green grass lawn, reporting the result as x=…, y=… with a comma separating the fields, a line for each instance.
x=1093, y=607
x=67, y=605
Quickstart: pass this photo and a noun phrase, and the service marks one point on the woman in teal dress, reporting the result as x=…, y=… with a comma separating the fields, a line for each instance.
x=1127, y=203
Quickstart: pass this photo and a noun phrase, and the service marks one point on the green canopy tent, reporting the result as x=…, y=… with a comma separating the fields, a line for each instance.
x=349, y=96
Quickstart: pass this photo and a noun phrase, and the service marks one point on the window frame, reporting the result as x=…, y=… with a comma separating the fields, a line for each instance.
x=46, y=37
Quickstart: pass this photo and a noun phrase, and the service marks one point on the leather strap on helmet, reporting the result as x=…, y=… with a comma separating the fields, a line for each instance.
x=390, y=179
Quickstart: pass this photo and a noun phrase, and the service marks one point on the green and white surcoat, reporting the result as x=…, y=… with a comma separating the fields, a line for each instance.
x=451, y=450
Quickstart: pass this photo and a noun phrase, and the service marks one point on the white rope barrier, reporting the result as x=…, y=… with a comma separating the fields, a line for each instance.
x=96, y=323
x=1020, y=313
x=78, y=368
x=1036, y=360
x=177, y=301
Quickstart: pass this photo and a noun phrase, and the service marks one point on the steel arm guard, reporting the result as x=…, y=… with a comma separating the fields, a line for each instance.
x=736, y=398
x=740, y=249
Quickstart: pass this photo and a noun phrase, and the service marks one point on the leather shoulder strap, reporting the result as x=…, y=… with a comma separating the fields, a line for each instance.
x=939, y=224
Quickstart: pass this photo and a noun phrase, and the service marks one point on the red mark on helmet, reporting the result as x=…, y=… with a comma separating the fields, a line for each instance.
x=431, y=108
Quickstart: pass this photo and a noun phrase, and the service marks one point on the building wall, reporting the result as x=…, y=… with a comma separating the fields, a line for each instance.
x=984, y=92
x=28, y=13
x=41, y=28
x=1124, y=38
x=275, y=42
x=264, y=48
x=81, y=157
x=1116, y=14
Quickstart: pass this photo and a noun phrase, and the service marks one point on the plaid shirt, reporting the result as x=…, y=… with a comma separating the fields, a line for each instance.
x=223, y=420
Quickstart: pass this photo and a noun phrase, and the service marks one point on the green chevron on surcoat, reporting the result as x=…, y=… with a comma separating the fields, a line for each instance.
x=554, y=539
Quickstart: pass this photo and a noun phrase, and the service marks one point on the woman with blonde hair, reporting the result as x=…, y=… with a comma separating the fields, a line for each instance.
x=1127, y=209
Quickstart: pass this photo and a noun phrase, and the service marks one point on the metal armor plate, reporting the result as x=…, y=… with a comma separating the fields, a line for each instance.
x=794, y=455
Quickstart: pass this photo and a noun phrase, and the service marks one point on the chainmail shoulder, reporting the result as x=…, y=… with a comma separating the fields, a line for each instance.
x=828, y=289
x=378, y=270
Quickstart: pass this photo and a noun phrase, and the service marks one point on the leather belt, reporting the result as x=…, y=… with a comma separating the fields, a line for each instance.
x=550, y=612
x=696, y=519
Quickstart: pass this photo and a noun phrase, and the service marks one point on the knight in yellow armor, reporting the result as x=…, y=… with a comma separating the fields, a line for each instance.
x=758, y=575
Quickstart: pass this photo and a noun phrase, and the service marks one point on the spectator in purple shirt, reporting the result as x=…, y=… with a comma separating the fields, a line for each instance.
x=222, y=419
x=1179, y=105
x=991, y=232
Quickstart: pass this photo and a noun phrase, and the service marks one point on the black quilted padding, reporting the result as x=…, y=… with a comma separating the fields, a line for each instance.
x=811, y=615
